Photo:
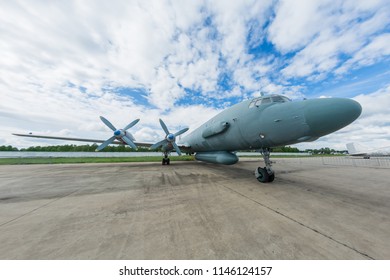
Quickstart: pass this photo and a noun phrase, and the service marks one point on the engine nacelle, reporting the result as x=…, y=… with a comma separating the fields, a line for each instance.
x=221, y=157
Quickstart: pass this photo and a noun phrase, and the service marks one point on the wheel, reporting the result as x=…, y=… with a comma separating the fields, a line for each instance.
x=163, y=161
x=271, y=177
x=262, y=175
x=168, y=161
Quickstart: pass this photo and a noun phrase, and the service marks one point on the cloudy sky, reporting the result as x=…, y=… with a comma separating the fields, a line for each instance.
x=65, y=63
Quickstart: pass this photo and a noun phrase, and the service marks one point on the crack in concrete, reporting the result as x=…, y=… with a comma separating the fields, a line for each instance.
x=301, y=224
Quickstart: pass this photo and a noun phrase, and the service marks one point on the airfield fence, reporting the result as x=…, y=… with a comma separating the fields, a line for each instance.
x=358, y=162
x=374, y=162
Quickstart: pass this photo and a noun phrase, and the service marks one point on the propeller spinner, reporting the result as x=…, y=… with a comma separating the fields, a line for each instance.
x=120, y=134
x=169, y=138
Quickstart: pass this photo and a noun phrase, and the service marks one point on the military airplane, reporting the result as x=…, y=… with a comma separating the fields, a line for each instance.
x=367, y=153
x=256, y=124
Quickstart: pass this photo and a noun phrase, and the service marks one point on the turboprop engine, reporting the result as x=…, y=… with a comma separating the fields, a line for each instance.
x=221, y=157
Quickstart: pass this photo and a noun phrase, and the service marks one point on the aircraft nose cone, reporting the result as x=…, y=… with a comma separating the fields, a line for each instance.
x=327, y=115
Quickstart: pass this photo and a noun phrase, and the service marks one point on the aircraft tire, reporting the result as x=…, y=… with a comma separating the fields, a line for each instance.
x=271, y=177
x=262, y=176
x=163, y=161
x=168, y=161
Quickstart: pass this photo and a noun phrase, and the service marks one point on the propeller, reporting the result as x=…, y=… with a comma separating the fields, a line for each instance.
x=169, y=138
x=120, y=134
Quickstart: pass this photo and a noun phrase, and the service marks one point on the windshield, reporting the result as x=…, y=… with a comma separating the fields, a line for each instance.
x=256, y=102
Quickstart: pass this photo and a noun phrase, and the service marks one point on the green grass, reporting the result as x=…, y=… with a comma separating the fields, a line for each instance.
x=62, y=160
x=291, y=156
x=65, y=160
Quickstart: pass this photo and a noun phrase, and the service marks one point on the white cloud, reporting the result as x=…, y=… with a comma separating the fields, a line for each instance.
x=324, y=31
x=369, y=54
x=374, y=103
x=62, y=62
x=297, y=22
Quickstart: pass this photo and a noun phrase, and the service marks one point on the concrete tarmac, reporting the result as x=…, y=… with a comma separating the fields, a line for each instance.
x=194, y=210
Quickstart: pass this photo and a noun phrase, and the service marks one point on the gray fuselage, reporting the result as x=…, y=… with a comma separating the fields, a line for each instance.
x=252, y=124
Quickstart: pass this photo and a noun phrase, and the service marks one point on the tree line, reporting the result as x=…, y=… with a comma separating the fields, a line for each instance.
x=122, y=148
x=72, y=148
x=325, y=151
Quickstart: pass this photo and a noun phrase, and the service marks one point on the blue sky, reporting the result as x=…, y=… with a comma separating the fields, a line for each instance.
x=64, y=63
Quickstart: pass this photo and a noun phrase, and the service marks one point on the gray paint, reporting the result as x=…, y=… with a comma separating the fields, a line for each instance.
x=222, y=157
x=273, y=124
x=215, y=129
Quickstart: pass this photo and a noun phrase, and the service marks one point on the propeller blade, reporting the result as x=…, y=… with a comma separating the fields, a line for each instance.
x=169, y=137
x=129, y=142
x=106, y=122
x=181, y=131
x=105, y=144
x=130, y=125
x=164, y=127
x=158, y=144
x=176, y=148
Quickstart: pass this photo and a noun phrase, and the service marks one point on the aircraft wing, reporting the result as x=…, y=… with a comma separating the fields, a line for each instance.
x=143, y=144
x=64, y=138
x=140, y=144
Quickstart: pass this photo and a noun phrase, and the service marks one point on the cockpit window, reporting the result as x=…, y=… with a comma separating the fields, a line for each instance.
x=279, y=99
x=269, y=99
x=266, y=100
x=253, y=102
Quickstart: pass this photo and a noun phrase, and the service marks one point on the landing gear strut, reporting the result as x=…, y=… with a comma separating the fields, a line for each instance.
x=266, y=174
x=166, y=159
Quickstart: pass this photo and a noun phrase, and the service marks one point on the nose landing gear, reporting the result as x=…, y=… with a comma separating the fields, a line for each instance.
x=166, y=159
x=266, y=174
